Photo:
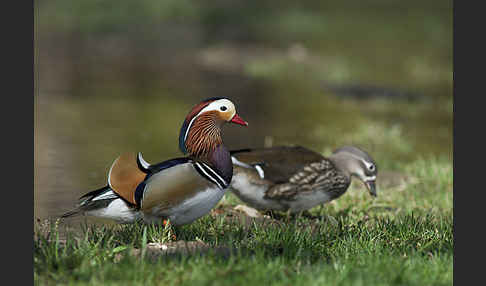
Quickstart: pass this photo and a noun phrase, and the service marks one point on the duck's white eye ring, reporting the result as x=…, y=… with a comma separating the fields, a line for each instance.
x=371, y=167
x=223, y=108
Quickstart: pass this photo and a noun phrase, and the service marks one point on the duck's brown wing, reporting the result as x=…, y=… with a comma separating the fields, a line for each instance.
x=317, y=176
x=280, y=163
x=146, y=185
x=125, y=175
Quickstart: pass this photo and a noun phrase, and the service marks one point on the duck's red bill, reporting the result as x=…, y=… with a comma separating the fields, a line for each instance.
x=238, y=120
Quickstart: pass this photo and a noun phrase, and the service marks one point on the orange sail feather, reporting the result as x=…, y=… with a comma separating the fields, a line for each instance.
x=125, y=176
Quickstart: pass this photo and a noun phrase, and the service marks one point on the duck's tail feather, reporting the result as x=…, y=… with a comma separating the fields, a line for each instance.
x=71, y=213
x=105, y=203
x=92, y=200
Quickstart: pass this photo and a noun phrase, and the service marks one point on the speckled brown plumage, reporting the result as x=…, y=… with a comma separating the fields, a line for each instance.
x=320, y=175
x=278, y=168
x=294, y=178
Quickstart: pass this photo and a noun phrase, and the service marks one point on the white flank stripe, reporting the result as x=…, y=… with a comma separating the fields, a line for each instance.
x=239, y=163
x=260, y=171
x=216, y=174
x=212, y=179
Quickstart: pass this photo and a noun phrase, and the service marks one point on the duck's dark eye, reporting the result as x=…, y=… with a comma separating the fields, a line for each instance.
x=223, y=108
x=371, y=167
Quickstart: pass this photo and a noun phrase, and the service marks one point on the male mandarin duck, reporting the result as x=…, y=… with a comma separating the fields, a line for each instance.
x=180, y=190
x=296, y=179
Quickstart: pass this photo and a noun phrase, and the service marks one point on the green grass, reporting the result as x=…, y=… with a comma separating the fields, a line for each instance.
x=404, y=237
x=406, y=250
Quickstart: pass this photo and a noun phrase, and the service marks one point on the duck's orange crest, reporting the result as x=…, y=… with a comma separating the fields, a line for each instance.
x=196, y=109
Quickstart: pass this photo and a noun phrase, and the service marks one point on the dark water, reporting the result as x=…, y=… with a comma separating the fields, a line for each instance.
x=104, y=93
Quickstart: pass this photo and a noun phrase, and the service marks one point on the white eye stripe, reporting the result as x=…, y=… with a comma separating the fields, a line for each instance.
x=216, y=105
x=366, y=163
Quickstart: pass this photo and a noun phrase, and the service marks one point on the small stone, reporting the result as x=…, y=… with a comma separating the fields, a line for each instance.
x=251, y=212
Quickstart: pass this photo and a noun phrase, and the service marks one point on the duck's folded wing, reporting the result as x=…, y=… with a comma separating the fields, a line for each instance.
x=144, y=185
x=125, y=175
x=171, y=186
x=317, y=176
x=276, y=164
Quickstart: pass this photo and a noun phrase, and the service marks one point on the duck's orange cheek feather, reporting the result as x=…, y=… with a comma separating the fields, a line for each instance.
x=224, y=116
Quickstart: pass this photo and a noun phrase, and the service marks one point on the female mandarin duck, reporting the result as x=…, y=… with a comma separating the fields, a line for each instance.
x=181, y=189
x=295, y=178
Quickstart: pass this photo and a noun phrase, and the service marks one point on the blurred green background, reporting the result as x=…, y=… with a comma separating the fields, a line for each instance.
x=116, y=76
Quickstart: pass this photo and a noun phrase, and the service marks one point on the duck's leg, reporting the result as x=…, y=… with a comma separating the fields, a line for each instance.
x=288, y=216
x=328, y=218
x=170, y=228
